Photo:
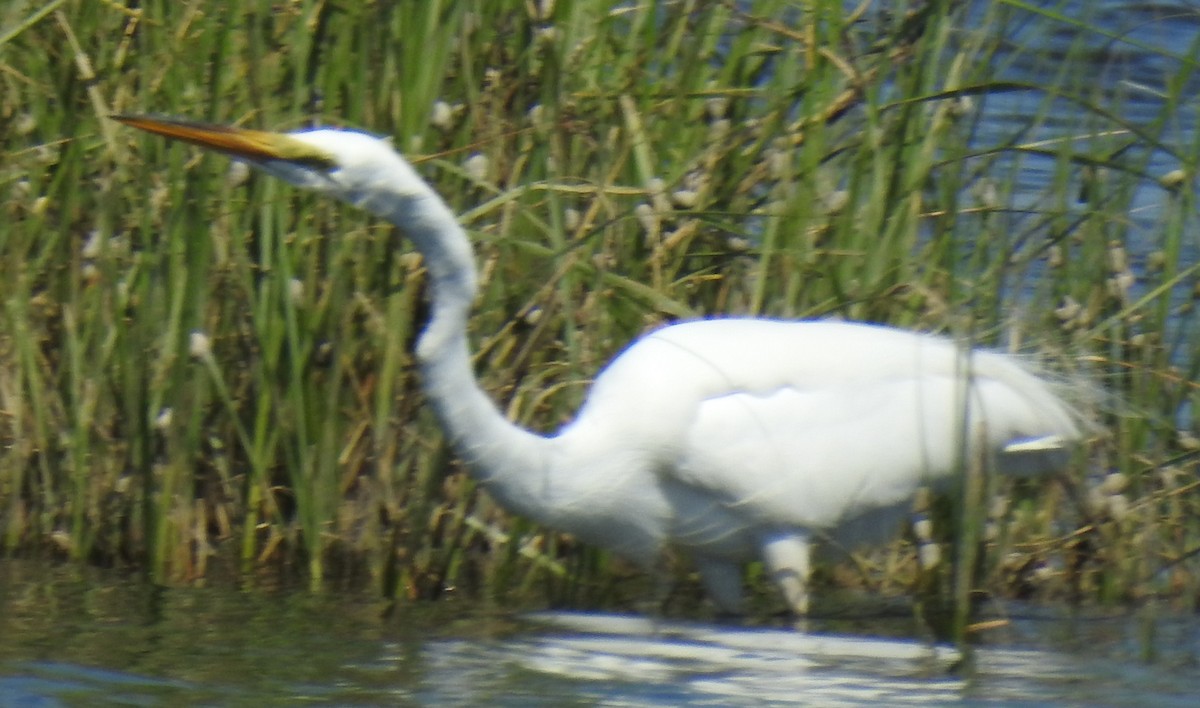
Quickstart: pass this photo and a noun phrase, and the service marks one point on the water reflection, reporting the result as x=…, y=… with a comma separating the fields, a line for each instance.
x=613, y=660
x=699, y=663
x=77, y=636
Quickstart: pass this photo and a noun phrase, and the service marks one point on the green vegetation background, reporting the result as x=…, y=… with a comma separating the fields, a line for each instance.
x=205, y=374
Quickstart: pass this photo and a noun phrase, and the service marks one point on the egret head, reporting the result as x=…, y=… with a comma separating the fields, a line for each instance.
x=355, y=167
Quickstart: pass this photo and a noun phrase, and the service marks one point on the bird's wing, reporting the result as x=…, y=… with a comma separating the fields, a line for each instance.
x=814, y=458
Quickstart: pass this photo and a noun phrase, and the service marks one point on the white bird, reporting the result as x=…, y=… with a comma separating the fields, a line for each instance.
x=730, y=439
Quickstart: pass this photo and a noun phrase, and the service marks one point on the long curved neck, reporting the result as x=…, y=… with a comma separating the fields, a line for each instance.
x=509, y=460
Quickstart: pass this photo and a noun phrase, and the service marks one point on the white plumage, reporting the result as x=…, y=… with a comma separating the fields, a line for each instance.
x=731, y=439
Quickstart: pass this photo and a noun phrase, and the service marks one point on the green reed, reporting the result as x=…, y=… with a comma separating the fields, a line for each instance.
x=204, y=372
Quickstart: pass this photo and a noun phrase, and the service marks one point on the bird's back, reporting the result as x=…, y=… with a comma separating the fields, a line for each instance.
x=662, y=379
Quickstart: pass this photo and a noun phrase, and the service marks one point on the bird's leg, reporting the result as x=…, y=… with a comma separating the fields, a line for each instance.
x=787, y=558
x=723, y=581
x=665, y=585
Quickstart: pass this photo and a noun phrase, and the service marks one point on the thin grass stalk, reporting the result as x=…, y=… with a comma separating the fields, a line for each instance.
x=968, y=543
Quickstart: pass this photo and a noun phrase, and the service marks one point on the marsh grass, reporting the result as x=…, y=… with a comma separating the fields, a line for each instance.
x=206, y=373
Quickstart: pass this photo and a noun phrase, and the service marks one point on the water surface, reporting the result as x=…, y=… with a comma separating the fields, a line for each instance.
x=85, y=637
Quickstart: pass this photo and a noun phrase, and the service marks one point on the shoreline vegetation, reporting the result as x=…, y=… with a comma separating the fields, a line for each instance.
x=205, y=374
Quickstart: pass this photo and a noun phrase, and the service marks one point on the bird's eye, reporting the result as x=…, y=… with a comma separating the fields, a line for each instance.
x=318, y=162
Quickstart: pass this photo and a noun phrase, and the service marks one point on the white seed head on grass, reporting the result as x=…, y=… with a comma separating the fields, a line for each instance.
x=200, y=346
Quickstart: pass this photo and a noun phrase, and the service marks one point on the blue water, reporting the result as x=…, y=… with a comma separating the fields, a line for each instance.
x=1144, y=48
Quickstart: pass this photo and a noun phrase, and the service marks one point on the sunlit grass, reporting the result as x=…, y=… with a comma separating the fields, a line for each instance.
x=204, y=372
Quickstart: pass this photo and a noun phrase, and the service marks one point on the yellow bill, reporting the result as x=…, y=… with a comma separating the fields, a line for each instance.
x=245, y=143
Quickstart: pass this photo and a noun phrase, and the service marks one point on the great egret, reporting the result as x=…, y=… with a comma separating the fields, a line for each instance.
x=731, y=439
